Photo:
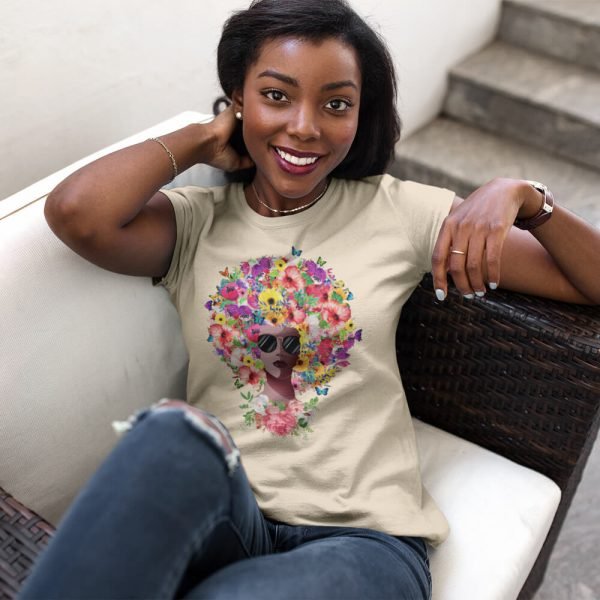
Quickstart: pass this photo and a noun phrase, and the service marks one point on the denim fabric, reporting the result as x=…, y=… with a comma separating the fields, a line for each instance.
x=170, y=514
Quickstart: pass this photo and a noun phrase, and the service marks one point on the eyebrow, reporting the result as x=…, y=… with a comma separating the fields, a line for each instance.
x=334, y=85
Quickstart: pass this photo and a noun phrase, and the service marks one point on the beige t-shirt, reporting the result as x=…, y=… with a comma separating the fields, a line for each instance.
x=340, y=449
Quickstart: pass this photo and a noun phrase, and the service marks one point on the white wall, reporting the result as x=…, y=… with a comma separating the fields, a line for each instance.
x=76, y=76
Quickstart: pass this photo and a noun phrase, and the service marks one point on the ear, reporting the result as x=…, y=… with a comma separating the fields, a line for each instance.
x=237, y=98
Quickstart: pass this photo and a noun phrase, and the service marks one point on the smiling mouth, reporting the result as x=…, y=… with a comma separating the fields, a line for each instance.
x=298, y=161
x=280, y=364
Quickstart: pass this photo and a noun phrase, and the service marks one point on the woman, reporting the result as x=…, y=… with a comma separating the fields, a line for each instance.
x=312, y=258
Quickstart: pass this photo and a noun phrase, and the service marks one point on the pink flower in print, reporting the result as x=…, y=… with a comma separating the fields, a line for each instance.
x=223, y=336
x=230, y=291
x=252, y=332
x=324, y=350
x=335, y=313
x=292, y=279
x=295, y=406
x=279, y=422
x=297, y=315
x=249, y=376
x=319, y=291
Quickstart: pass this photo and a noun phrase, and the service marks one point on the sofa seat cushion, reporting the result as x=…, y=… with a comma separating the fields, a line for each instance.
x=499, y=514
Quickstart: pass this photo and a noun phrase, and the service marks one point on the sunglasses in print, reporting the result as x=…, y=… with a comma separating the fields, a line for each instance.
x=267, y=342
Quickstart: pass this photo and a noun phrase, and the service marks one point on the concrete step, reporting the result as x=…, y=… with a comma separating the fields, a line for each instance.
x=538, y=100
x=565, y=29
x=450, y=154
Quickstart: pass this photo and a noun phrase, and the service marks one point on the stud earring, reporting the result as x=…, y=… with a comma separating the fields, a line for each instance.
x=238, y=115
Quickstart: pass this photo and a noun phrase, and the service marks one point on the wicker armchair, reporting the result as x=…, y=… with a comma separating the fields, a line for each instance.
x=515, y=374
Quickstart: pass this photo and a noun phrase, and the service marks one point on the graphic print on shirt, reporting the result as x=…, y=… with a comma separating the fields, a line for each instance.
x=283, y=326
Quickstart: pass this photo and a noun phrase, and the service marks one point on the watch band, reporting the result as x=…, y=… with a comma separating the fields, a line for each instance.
x=545, y=211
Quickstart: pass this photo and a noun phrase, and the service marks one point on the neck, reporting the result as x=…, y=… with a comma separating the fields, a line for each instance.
x=277, y=389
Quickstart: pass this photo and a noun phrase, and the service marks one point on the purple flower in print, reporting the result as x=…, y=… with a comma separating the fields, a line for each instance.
x=235, y=311
x=341, y=353
x=315, y=271
x=262, y=266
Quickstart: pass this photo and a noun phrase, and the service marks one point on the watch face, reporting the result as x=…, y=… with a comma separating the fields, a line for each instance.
x=544, y=213
x=538, y=186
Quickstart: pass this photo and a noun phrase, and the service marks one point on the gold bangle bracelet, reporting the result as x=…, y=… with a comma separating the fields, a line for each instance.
x=173, y=161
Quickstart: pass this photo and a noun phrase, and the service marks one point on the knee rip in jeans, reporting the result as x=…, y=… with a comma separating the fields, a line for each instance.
x=199, y=419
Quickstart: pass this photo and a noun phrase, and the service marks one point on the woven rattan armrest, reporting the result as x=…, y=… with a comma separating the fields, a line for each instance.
x=516, y=374
x=23, y=534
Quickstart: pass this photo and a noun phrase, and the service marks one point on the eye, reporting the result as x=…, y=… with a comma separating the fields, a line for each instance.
x=339, y=105
x=275, y=95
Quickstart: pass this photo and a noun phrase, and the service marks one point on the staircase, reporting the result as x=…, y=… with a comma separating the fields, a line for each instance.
x=527, y=106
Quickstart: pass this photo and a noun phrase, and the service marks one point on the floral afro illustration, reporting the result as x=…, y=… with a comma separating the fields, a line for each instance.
x=283, y=326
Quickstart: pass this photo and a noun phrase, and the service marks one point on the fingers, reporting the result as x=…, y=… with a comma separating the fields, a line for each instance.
x=222, y=154
x=495, y=243
x=470, y=254
x=439, y=261
x=474, y=265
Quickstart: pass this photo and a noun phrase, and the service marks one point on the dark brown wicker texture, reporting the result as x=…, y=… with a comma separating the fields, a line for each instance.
x=22, y=535
x=515, y=374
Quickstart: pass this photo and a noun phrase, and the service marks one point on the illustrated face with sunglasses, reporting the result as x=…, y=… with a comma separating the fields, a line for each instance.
x=279, y=349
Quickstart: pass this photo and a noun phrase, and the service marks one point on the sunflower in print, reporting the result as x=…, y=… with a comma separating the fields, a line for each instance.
x=283, y=325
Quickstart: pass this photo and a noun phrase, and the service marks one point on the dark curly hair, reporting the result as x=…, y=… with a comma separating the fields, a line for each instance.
x=379, y=125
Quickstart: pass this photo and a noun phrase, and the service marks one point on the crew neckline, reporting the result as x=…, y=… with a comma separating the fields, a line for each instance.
x=300, y=218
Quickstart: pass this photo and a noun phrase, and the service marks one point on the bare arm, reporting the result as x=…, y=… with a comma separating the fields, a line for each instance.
x=111, y=212
x=559, y=259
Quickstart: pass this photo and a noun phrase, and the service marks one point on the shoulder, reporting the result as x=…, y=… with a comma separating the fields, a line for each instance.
x=401, y=195
x=201, y=196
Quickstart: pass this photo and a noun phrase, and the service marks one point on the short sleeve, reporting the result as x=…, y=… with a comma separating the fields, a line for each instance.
x=422, y=210
x=192, y=206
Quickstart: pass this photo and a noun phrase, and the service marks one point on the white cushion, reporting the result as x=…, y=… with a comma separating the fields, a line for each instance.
x=499, y=514
x=80, y=347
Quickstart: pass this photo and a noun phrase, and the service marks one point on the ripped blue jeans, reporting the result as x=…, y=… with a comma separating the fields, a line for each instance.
x=170, y=514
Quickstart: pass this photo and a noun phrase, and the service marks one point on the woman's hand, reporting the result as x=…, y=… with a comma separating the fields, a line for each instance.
x=220, y=153
x=471, y=240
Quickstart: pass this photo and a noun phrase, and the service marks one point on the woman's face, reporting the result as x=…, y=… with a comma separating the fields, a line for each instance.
x=279, y=349
x=300, y=106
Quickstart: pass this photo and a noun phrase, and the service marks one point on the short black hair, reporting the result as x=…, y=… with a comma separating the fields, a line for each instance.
x=245, y=32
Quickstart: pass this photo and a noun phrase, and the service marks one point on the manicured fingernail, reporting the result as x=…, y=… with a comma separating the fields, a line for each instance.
x=493, y=285
x=479, y=294
x=440, y=294
x=469, y=296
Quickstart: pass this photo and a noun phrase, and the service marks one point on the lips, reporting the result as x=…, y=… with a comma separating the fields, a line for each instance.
x=280, y=364
x=294, y=157
x=294, y=161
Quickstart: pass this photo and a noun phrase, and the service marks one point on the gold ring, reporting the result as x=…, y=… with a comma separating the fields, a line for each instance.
x=457, y=252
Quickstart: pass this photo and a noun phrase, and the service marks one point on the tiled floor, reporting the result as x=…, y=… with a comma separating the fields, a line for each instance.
x=574, y=569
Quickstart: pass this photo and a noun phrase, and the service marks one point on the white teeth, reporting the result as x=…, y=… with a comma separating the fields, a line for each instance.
x=294, y=160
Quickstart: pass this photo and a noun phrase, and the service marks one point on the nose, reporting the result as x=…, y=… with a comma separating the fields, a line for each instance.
x=303, y=123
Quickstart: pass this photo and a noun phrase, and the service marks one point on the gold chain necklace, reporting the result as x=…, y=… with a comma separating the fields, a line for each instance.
x=289, y=210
